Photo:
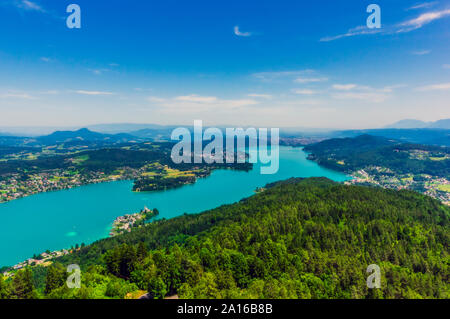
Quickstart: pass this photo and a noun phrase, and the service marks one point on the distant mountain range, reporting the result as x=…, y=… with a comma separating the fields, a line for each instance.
x=127, y=127
x=431, y=133
x=410, y=123
x=429, y=136
x=83, y=135
x=79, y=137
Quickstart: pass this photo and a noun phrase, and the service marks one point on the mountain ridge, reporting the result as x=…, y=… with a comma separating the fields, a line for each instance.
x=413, y=123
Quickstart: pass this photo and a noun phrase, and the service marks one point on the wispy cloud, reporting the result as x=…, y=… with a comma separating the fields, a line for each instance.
x=435, y=87
x=403, y=27
x=17, y=95
x=49, y=92
x=275, y=75
x=197, y=98
x=421, y=52
x=309, y=80
x=360, y=30
x=155, y=99
x=446, y=66
x=98, y=71
x=366, y=96
x=262, y=96
x=363, y=92
x=32, y=6
x=84, y=92
x=45, y=59
x=29, y=5
x=240, y=33
x=421, y=20
x=344, y=87
x=424, y=5
x=197, y=103
x=304, y=91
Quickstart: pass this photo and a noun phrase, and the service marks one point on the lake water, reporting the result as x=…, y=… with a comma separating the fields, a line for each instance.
x=60, y=219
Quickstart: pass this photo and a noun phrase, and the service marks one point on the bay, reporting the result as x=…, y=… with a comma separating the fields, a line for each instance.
x=61, y=219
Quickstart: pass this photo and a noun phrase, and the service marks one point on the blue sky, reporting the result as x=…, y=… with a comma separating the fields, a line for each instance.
x=262, y=63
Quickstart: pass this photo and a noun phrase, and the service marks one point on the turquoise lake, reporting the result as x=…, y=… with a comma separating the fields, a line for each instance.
x=61, y=219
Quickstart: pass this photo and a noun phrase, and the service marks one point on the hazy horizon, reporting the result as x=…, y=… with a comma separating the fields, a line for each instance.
x=114, y=128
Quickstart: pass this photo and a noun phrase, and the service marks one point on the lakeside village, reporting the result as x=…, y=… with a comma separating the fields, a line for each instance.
x=121, y=225
x=433, y=186
x=18, y=185
x=126, y=223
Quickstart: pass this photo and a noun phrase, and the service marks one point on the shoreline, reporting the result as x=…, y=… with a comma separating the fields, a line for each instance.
x=121, y=224
x=161, y=190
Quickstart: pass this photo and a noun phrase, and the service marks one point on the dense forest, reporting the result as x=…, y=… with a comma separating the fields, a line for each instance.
x=352, y=154
x=106, y=159
x=301, y=238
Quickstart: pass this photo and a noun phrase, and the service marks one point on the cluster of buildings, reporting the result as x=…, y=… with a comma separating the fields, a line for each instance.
x=14, y=186
x=44, y=259
x=426, y=184
x=434, y=188
x=125, y=223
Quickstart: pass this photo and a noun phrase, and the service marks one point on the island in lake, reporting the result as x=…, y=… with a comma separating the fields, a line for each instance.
x=126, y=223
x=56, y=165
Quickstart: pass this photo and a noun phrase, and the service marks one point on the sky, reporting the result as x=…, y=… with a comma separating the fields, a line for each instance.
x=258, y=63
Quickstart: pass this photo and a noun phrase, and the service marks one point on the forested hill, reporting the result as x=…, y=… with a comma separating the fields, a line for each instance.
x=352, y=154
x=309, y=238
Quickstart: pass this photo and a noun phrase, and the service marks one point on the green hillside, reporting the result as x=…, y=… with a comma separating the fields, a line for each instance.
x=351, y=154
x=301, y=238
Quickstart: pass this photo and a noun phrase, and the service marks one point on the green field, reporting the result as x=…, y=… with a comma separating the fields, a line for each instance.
x=443, y=158
x=444, y=188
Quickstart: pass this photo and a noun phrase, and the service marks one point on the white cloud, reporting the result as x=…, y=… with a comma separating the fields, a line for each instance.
x=366, y=96
x=421, y=52
x=29, y=5
x=196, y=103
x=304, y=91
x=45, y=59
x=435, y=87
x=360, y=30
x=421, y=20
x=197, y=99
x=17, y=95
x=33, y=6
x=84, y=92
x=422, y=5
x=262, y=96
x=50, y=92
x=362, y=92
x=309, y=80
x=406, y=26
x=98, y=71
x=344, y=87
x=446, y=66
x=154, y=99
x=241, y=34
x=303, y=102
x=389, y=89
x=270, y=76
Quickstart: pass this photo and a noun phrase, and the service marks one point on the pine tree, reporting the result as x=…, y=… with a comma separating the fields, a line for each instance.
x=56, y=277
x=22, y=285
x=4, y=291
